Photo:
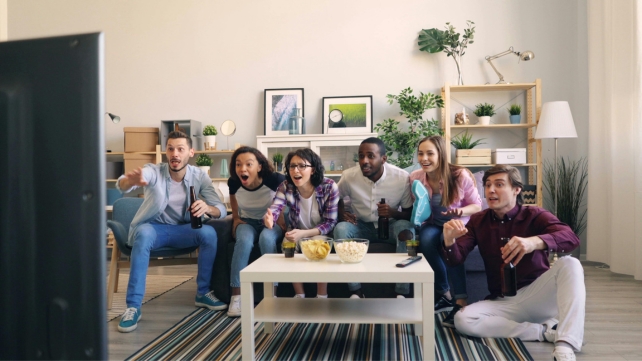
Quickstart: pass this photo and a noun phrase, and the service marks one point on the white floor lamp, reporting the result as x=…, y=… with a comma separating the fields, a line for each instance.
x=555, y=121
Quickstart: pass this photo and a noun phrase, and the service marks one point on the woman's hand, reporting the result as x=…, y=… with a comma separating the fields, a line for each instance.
x=453, y=213
x=268, y=219
x=236, y=222
x=294, y=235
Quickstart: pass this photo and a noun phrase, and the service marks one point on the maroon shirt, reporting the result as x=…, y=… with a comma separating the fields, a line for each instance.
x=485, y=230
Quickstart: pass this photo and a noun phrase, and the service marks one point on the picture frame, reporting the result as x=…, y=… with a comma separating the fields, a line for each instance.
x=280, y=105
x=347, y=114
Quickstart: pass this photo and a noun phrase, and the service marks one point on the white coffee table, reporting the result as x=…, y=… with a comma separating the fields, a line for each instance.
x=375, y=268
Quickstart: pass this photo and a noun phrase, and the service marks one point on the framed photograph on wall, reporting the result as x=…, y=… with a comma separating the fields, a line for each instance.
x=347, y=115
x=280, y=105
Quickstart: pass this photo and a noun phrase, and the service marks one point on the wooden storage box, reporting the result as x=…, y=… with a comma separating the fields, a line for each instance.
x=472, y=156
x=135, y=160
x=140, y=139
x=509, y=156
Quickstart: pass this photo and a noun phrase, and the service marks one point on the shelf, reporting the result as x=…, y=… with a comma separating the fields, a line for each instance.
x=490, y=87
x=492, y=165
x=123, y=153
x=112, y=180
x=219, y=179
x=339, y=310
x=504, y=126
x=213, y=151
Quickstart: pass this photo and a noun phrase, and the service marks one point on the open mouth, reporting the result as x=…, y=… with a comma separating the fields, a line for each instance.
x=297, y=177
x=490, y=199
x=245, y=177
x=175, y=162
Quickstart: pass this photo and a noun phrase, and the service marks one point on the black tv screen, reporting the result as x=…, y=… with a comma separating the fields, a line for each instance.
x=52, y=199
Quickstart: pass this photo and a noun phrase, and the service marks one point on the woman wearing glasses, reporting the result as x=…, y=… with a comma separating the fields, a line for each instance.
x=252, y=186
x=312, y=200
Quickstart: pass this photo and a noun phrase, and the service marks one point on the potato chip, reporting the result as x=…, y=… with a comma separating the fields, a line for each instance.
x=315, y=249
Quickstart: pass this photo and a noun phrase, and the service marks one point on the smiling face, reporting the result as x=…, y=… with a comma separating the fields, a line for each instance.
x=248, y=169
x=428, y=156
x=500, y=194
x=300, y=177
x=371, y=161
x=178, y=154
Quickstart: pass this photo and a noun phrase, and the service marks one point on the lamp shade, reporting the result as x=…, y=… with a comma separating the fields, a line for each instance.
x=555, y=121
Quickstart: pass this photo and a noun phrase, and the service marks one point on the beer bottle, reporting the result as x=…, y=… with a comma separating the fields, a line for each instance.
x=383, y=224
x=508, y=275
x=196, y=221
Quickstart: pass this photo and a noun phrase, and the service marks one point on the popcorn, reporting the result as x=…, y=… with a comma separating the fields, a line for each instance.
x=351, y=252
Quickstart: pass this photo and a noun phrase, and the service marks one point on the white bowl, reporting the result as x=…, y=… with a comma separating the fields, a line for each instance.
x=351, y=250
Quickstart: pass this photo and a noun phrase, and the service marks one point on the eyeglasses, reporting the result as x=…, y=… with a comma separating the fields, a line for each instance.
x=301, y=166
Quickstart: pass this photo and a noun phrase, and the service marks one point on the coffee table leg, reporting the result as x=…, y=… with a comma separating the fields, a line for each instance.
x=247, y=320
x=419, y=294
x=429, y=322
x=268, y=293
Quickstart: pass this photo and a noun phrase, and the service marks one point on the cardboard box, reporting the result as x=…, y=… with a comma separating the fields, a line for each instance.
x=472, y=156
x=135, y=160
x=509, y=156
x=140, y=139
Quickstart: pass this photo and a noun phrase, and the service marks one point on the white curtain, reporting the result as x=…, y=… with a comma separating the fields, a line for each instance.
x=614, y=232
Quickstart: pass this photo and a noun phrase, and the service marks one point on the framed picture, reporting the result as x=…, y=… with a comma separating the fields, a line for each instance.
x=280, y=105
x=347, y=115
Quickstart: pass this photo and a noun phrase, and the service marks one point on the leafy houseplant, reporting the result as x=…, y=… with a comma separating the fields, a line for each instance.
x=278, y=161
x=209, y=139
x=203, y=160
x=572, y=178
x=515, y=113
x=452, y=43
x=400, y=141
x=464, y=141
x=484, y=112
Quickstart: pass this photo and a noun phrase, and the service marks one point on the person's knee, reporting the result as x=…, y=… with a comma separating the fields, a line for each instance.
x=342, y=230
x=207, y=235
x=403, y=226
x=570, y=265
x=467, y=323
x=144, y=236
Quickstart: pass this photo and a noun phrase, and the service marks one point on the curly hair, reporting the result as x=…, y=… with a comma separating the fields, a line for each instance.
x=315, y=161
x=266, y=167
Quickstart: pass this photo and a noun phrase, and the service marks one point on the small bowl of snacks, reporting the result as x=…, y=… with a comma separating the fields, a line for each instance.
x=351, y=250
x=315, y=248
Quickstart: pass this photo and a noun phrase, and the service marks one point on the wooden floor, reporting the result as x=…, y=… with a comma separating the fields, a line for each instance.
x=613, y=329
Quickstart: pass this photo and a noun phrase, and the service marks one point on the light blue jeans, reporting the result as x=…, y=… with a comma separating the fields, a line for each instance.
x=368, y=231
x=246, y=236
x=152, y=236
x=430, y=241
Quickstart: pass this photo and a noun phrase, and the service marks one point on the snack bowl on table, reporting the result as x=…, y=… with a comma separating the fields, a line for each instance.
x=315, y=248
x=351, y=250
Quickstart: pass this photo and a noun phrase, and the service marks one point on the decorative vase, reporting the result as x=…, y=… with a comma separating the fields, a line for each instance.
x=209, y=142
x=205, y=168
x=485, y=120
x=225, y=172
x=297, y=123
x=516, y=119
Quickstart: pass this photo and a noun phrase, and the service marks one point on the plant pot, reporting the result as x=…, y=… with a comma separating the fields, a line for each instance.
x=205, y=168
x=516, y=119
x=485, y=120
x=209, y=142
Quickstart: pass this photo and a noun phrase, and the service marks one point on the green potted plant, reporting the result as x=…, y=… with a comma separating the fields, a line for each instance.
x=484, y=112
x=403, y=142
x=204, y=162
x=515, y=112
x=209, y=135
x=463, y=143
x=452, y=43
x=278, y=161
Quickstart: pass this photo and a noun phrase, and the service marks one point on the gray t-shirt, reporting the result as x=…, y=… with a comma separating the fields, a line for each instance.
x=177, y=205
x=253, y=203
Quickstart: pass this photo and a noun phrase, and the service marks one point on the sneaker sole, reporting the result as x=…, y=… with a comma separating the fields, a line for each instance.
x=130, y=328
x=213, y=308
x=233, y=314
x=449, y=325
x=445, y=309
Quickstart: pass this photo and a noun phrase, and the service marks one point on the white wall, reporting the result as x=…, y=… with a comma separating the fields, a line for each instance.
x=211, y=60
x=3, y=20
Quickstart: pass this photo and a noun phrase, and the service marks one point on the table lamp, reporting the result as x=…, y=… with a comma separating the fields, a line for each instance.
x=555, y=122
x=114, y=118
x=525, y=55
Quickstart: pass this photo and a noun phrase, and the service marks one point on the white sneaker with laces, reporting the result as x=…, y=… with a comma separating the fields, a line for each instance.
x=235, y=307
x=563, y=354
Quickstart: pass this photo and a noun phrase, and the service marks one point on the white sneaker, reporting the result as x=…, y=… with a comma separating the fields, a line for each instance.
x=297, y=296
x=563, y=354
x=550, y=333
x=401, y=296
x=235, y=307
x=354, y=295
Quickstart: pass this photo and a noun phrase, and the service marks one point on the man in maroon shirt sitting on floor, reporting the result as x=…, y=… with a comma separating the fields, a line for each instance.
x=543, y=293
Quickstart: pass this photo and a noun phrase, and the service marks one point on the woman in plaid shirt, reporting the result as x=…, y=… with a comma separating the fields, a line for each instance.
x=312, y=200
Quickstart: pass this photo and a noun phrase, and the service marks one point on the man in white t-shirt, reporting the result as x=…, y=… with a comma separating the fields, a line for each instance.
x=366, y=185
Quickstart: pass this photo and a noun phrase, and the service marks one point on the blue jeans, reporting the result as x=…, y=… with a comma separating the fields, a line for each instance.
x=246, y=236
x=368, y=231
x=152, y=236
x=430, y=243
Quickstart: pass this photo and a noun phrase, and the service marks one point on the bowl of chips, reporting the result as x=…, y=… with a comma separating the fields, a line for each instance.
x=315, y=248
x=351, y=250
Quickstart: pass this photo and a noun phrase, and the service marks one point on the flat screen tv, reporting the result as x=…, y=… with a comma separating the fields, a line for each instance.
x=52, y=199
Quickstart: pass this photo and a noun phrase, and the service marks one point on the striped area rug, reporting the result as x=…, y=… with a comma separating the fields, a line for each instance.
x=211, y=335
x=155, y=286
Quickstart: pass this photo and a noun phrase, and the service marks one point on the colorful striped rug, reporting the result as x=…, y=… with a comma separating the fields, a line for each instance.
x=211, y=335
